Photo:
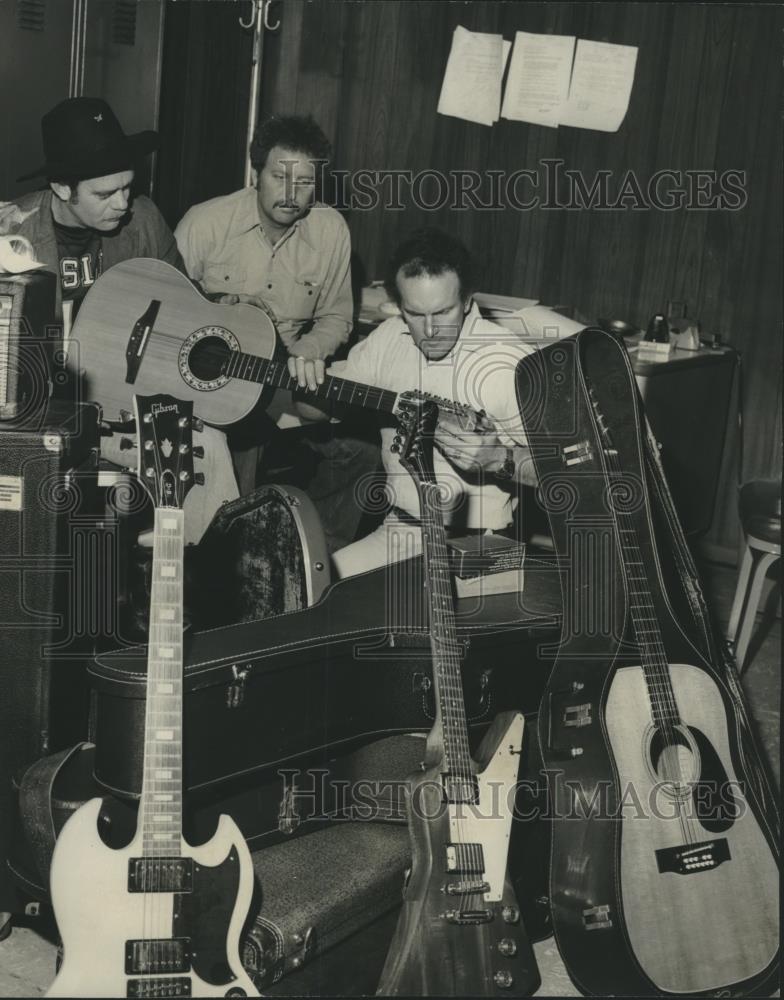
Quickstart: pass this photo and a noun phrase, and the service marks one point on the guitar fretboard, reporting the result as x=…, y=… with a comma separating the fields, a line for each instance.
x=254, y=369
x=160, y=810
x=250, y=368
x=444, y=646
x=623, y=491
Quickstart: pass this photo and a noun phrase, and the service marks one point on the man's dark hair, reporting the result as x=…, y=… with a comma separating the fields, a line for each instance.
x=431, y=252
x=299, y=133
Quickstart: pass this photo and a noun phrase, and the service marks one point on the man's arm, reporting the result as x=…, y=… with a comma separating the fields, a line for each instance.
x=332, y=316
x=157, y=240
x=190, y=246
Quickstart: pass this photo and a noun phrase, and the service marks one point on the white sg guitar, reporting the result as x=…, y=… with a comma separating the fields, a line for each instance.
x=157, y=918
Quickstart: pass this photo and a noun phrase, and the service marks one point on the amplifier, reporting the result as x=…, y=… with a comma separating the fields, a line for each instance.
x=48, y=509
x=28, y=341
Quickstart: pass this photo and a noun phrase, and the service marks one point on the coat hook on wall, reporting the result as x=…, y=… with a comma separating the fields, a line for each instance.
x=260, y=6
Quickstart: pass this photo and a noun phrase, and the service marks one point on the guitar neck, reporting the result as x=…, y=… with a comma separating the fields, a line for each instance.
x=451, y=729
x=160, y=810
x=250, y=368
x=624, y=498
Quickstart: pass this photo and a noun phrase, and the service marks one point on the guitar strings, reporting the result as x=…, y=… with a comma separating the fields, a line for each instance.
x=655, y=664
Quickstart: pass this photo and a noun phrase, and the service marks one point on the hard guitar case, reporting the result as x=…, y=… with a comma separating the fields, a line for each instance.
x=561, y=390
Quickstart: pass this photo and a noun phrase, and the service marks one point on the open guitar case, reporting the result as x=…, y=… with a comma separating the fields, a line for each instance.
x=555, y=388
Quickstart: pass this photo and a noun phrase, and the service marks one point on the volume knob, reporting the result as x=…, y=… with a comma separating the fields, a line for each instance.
x=503, y=979
x=510, y=914
x=507, y=946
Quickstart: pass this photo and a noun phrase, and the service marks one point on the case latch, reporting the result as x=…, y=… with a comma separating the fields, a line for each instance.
x=235, y=692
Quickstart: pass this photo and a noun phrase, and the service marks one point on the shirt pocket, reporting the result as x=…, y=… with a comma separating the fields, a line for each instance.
x=302, y=297
x=226, y=278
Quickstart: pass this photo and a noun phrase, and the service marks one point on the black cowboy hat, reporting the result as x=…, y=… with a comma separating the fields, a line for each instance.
x=82, y=138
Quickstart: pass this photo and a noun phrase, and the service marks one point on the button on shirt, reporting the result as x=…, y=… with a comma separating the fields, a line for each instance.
x=478, y=372
x=305, y=278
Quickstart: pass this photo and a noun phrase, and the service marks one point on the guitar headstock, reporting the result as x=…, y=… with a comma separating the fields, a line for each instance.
x=418, y=418
x=164, y=426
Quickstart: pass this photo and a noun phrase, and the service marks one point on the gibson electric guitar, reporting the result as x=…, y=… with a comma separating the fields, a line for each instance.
x=158, y=917
x=459, y=932
x=144, y=327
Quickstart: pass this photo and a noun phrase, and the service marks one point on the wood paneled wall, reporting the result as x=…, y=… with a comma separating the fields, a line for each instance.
x=706, y=97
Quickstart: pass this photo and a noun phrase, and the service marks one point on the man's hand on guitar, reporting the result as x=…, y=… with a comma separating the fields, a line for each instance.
x=479, y=448
x=308, y=372
x=251, y=300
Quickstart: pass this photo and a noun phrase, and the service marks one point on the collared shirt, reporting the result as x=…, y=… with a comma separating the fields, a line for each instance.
x=478, y=372
x=305, y=278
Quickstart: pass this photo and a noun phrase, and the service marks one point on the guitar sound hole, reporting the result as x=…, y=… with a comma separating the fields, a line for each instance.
x=674, y=760
x=207, y=358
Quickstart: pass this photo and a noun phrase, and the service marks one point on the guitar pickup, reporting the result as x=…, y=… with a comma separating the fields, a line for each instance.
x=577, y=716
x=160, y=875
x=146, y=956
x=468, y=916
x=467, y=888
x=576, y=454
x=465, y=859
x=597, y=918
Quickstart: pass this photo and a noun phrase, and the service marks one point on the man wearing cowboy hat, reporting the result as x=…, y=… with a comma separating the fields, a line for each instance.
x=87, y=220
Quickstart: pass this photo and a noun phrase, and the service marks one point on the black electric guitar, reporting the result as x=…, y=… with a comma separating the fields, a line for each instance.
x=158, y=917
x=459, y=932
x=144, y=327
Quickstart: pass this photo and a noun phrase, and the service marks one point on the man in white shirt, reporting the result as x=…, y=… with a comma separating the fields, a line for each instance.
x=440, y=345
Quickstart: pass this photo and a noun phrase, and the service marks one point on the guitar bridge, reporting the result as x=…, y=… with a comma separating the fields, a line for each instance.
x=694, y=858
x=137, y=342
x=167, y=987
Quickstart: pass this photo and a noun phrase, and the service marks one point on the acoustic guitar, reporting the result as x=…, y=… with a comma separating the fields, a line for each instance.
x=697, y=875
x=664, y=862
x=158, y=917
x=145, y=327
x=459, y=931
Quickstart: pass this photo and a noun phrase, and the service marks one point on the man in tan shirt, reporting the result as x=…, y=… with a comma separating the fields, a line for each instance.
x=275, y=246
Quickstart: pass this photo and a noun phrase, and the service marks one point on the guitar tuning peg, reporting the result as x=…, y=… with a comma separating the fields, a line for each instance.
x=395, y=449
x=197, y=424
x=198, y=477
x=125, y=443
x=198, y=451
x=126, y=416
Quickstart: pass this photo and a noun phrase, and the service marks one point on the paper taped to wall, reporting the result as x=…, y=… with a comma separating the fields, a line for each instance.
x=538, y=82
x=601, y=86
x=472, y=81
